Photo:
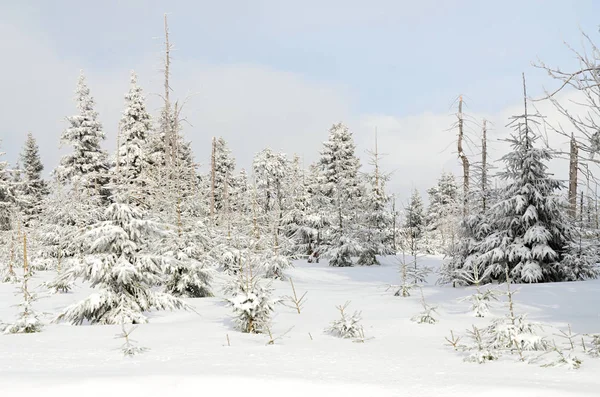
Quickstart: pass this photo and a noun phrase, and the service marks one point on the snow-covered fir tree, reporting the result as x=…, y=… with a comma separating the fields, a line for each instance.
x=414, y=224
x=270, y=170
x=224, y=171
x=33, y=187
x=443, y=212
x=462, y=264
x=121, y=266
x=135, y=126
x=530, y=230
x=87, y=165
x=6, y=196
x=296, y=220
x=339, y=183
x=376, y=219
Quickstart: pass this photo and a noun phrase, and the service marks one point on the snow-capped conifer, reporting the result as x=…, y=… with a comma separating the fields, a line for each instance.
x=134, y=134
x=339, y=183
x=32, y=187
x=122, y=269
x=270, y=170
x=224, y=171
x=530, y=229
x=187, y=273
x=375, y=220
x=443, y=212
x=87, y=165
x=6, y=199
x=251, y=299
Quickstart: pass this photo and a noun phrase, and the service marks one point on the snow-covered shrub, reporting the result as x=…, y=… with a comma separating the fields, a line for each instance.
x=252, y=303
x=347, y=326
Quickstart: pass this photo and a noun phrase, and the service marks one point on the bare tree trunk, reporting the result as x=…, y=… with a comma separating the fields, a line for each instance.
x=376, y=157
x=25, y=263
x=394, y=224
x=463, y=157
x=169, y=130
x=212, y=175
x=484, y=167
x=573, y=177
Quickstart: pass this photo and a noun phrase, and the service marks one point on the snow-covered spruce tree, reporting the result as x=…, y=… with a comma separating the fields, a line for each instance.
x=530, y=229
x=7, y=273
x=313, y=232
x=120, y=265
x=135, y=126
x=443, y=212
x=87, y=165
x=414, y=226
x=250, y=295
x=65, y=215
x=189, y=243
x=376, y=220
x=170, y=189
x=224, y=169
x=275, y=260
x=462, y=265
x=295, y=222
x=273, y=200
x=583, y=253
x=6, y=197
x=33, y=187
x=375, y=229
x=270, y=170
x=339, y=168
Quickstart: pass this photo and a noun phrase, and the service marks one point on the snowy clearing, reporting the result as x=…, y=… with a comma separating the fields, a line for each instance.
x=189, y=352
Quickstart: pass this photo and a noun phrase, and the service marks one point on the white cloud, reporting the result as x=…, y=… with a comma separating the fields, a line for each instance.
x=252, y=106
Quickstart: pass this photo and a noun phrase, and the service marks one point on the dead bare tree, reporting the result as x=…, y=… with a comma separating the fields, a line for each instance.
x=484, y=180
x=573, y=155
x=212, y=175
x=582, y=113
x=463, y=157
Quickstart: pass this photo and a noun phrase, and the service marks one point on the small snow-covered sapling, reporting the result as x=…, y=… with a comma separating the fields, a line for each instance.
x=346, y=326
x=480, y=351
x=129, y=347
x=294, y=301
x=426, y=316
x=563, y=359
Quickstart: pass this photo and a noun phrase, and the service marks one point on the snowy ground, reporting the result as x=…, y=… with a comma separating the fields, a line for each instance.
x=189, y=351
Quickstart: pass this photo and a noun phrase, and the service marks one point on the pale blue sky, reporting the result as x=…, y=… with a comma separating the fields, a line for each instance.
x=279, y=73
